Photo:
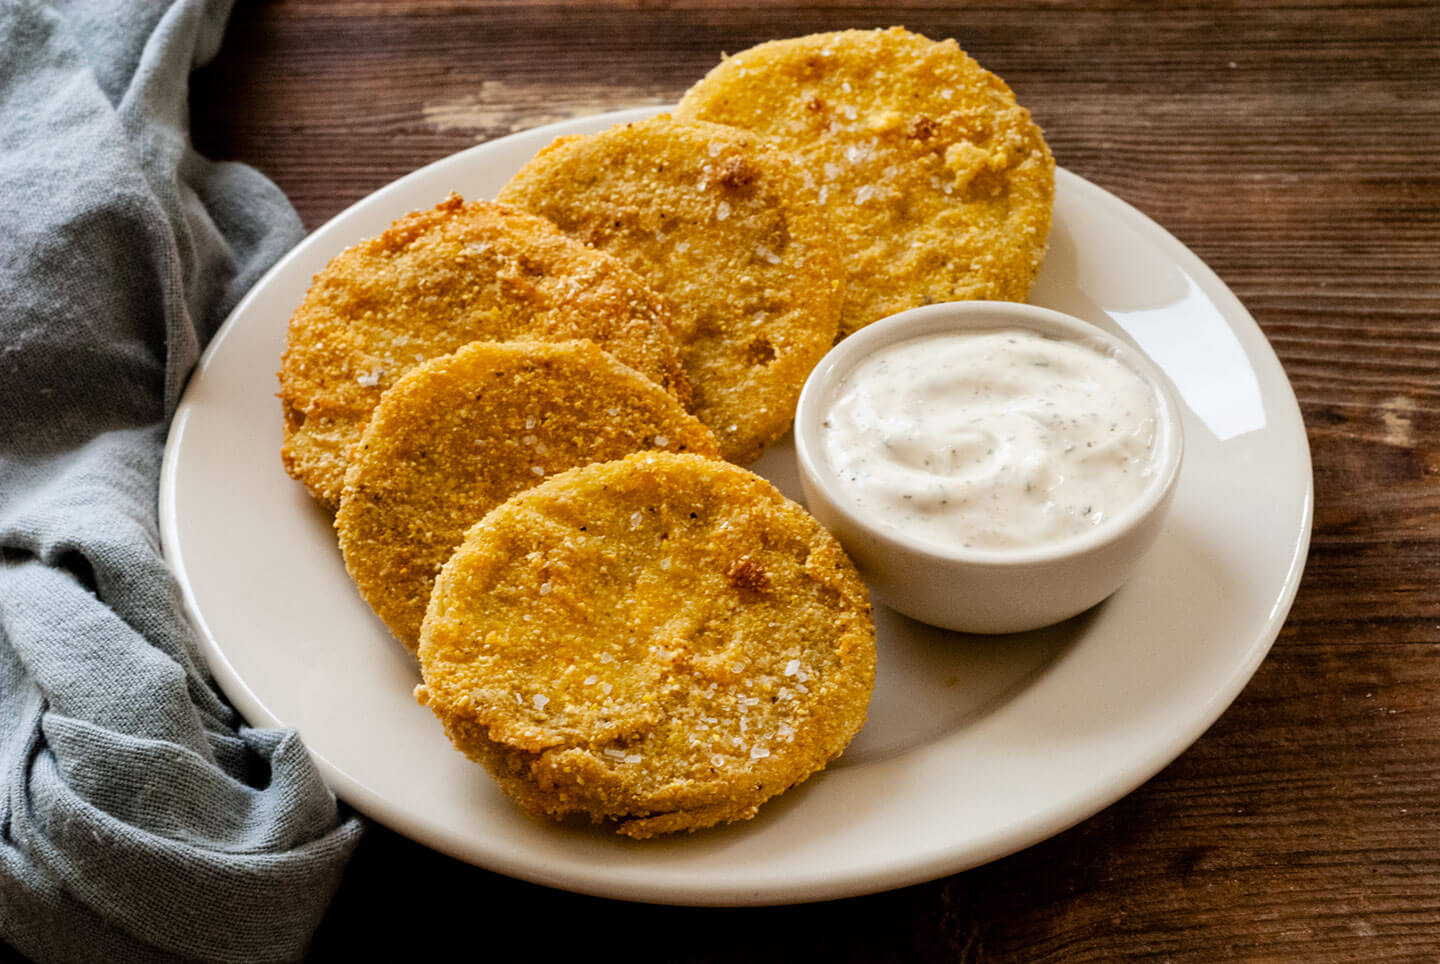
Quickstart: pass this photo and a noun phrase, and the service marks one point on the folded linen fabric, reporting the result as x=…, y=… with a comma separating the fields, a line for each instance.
x=140, y=817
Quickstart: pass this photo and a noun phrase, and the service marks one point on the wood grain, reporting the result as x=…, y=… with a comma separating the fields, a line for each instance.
x=1296, y=148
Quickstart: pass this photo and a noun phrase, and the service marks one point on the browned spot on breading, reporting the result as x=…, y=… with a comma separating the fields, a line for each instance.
x=761, y=352
x=737, y=173
x=746, y=573
x=922, y=128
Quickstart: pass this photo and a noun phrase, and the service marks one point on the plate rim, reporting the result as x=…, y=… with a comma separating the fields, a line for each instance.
x=740, y=891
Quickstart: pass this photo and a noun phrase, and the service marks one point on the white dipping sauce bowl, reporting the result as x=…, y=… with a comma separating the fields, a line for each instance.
x=1005, y=590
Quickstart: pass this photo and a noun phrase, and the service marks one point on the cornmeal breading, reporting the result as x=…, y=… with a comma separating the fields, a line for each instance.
x=664, y=641
x=460, y=434
x=724, y=229
x=938, y=184
x=435, y=281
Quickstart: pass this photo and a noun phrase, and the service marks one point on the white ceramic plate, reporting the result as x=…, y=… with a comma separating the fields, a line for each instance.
x=975, y=747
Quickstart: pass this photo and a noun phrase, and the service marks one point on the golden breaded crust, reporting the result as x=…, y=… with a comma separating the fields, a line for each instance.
x=435, y=281
x=460, y=434
x=664, y=641
x=725, y=230
x=939, y=185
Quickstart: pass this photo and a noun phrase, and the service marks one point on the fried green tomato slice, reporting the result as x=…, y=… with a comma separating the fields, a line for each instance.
x=434, y=282
x=938, y=183
x=462, y=433
x=662, y=641
x=725, y=230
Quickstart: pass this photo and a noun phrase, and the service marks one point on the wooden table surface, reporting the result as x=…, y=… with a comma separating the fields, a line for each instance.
x=1296, y=149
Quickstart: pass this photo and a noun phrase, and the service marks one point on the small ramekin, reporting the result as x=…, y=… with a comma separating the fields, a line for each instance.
x=986, y=590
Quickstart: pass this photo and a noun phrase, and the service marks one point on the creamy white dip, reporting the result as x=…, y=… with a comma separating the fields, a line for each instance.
x=991, y=439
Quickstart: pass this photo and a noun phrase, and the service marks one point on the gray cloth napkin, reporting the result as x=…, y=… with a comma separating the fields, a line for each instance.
x=141, y=819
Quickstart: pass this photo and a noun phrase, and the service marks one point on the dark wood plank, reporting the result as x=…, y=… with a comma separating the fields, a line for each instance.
x=1294, y=147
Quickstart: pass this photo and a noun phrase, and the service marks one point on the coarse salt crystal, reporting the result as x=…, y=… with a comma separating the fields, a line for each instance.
x=792, y=667
x=717, y=760
x=737, y=667
x=529, y=423
x=540, y=699
x=613, y=753
x=767, y=254
x=591, y=680
x=722, y=211
x=832, y=170
x=636, y=518
x=665, y=565
x=632, y=758
x=662, y=441
x=758, y=753
x=824, y=193
x=537, y=470
x=529, y=440
x=612, y=410
x=545, y=589
x=606, y=688
x=541, y=448
x=371, y=378
x=606, y=658
x=863, y=193
x=786, y=730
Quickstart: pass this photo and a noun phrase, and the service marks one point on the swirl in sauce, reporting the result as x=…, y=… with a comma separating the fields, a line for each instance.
x=991, y=439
